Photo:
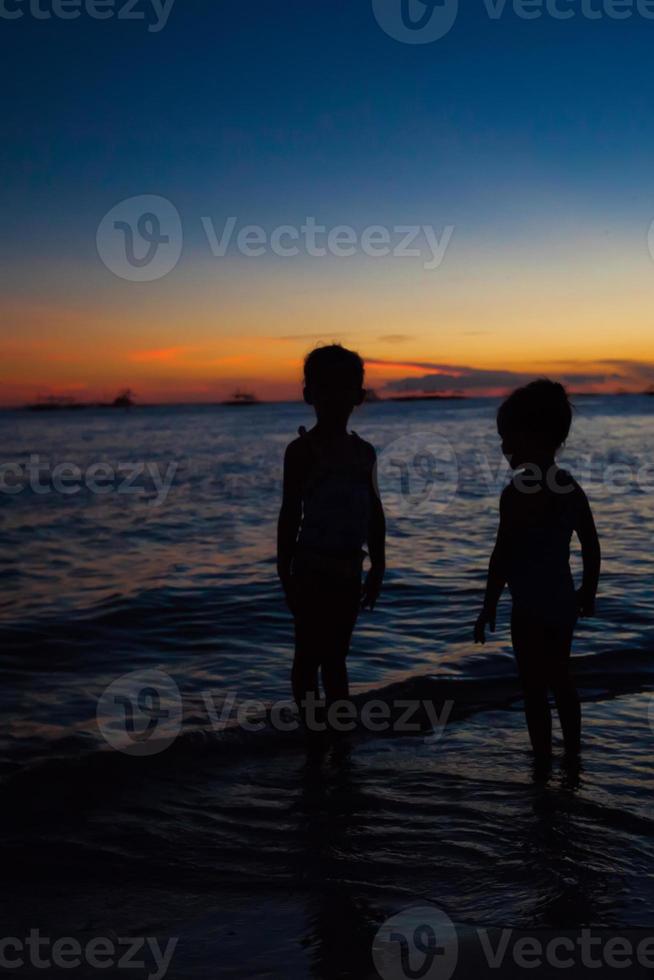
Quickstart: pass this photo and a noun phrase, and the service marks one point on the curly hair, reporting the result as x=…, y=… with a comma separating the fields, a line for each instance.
x=333, y=362
x=542, y=407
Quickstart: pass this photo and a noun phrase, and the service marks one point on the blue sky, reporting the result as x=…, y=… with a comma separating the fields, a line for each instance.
x=271, y=107
x=529, y=136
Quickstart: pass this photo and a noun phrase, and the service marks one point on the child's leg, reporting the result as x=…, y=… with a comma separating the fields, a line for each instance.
x=335, y=680
x=564, y=690
x=304, y=676
x=306, y=662
x=530, y=653
x=326, y=611
x=338, y=623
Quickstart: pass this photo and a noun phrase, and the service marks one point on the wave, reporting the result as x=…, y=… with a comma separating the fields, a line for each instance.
x=419, y=706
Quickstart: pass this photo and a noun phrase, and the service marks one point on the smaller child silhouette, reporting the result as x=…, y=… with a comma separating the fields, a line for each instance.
x=330, y=509
x=539, y=511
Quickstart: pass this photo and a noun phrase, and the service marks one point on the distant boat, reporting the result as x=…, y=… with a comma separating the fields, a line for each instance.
x=241, y=399
x=54, y=403
x=124, y=400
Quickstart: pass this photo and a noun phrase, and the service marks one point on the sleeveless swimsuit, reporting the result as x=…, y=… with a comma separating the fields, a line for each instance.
x=335, y=511
x=539, y=575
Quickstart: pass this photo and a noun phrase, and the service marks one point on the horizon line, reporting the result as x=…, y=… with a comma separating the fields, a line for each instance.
x=397, y=399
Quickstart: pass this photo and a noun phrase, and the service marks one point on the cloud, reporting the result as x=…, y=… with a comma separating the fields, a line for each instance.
x=395, y=338
x=308, y=336
x=159, y=354
x=434, y=366
x=638, y=370
x=605, y=375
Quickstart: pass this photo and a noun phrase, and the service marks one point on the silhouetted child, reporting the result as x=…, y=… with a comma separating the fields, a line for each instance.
x=539, y=511
x=330, y=509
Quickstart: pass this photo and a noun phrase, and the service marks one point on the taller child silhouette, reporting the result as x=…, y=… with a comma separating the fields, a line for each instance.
x=330, y=509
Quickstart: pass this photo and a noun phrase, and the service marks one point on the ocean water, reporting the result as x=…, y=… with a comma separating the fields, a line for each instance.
x=278, y=861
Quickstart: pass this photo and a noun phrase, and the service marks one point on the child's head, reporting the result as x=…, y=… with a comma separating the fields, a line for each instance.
x=534, y=422
x=333, y=382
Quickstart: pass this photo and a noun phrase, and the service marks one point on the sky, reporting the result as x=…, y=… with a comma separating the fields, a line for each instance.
x=512, y=158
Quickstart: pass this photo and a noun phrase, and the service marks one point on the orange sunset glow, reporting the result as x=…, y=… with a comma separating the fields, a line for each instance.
x=178, y=345
x=578, y=308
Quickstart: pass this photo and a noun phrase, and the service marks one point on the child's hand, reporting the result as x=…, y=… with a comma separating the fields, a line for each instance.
x=585, y=603
x=486, y=617
x=371, y=588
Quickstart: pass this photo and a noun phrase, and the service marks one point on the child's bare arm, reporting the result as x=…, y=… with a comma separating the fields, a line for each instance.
x=591, y=555
x=290, y=515
x=376, y=546
x=497, y=575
